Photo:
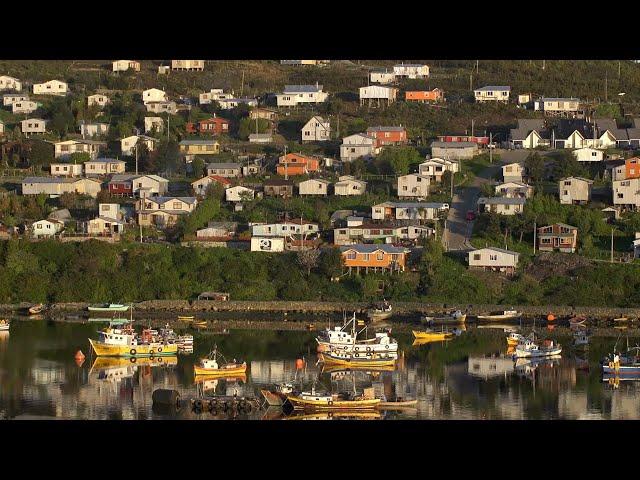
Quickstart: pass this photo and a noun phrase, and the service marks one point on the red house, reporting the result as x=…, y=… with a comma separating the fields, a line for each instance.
x=121, y=187
x=463, y=138
x=387, y=135
x=214, y=126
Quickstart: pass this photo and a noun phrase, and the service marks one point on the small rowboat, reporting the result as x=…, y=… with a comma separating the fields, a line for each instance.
x=36, y=309
x=577, y=321
x=210, y=366
x=431, y=335
x=185, y=318
x=497, y=316
x=200, y=324
x=621, y=319
x=109, y=307
x=456, y=318
x=313, y=401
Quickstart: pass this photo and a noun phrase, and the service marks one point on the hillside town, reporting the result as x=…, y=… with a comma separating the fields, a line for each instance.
x=294, y=170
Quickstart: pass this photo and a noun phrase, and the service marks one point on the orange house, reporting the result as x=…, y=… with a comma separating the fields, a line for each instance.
x=387, y=135
x=632, y=167
x=423, y=96
x=296, y=164
x=376, y=257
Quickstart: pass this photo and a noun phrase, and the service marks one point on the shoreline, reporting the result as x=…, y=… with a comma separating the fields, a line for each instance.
x=331, y=308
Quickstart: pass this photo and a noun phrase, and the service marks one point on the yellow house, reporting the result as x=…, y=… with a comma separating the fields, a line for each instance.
x=199, y=147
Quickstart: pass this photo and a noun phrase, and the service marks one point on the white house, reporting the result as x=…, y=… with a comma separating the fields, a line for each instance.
x=153, y=122
x=104, y=166
x=67, y=147
x=495, y=259
x=316, y=130
x=349, y=185
x=145, y=185
x=514, y=190
x=46, y=228
x=378, y=93
x=558, y=106
x=512, y=172
x=9, y=99
x=154, y=95
x=94, y=129
x=588, y=154
x=201, y=185
x=357, y=145
x=10, y=83
x=293, y=95
x=413, y=186
x=188, y=65
x=66, y=169
x=492, y=94
x=24, y=106
x=408, y=210
x=169, y=107
x=314, y=186
x=501, y=205
x=411, y=70
x=575, y=190
x=124, y=65
x=52, y=87
x=239, y=194
x=1, y=127
x=435, y=167
x=33, y=125
x=229, y=103
x=105, y=226
x=128, y=144
x=98, y=100
x=284, y=229
x=214, y=95
x=382, y=76
x=626, y=193
x=54, y=187
x=260, y=138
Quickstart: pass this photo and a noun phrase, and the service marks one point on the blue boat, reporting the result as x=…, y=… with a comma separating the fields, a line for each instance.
x=622, y=365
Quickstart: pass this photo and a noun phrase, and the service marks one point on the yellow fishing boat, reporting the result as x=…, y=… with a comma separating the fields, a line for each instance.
x=102, y=363
x=514, y=339
x=330, y=415
x=431, y=335
x=209, y=366
x=347, y=360
x=227, y=377
x=185, y=318
x=124, y=342
x=313, y=401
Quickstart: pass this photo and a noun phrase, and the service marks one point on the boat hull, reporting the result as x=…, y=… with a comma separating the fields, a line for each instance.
x=434, y=336
x=151, y=350
x=610, y=369
x=4, y=328
x=302, y=404
x=356, y=362
x=350, y=348
x=445, y=320
x=379, y=315
x=226, y=372
x=274, y=399
x=398, y=405
x=108, y=309
x=537, y=354
x=497, y=318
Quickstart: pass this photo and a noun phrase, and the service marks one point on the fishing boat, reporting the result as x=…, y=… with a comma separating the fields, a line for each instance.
x=380, y=312
x=581, y=339
x=124, y=342
x=621, y=319
x=333, y=368
x=514, y=339
x=456, y=317
x=36, y=309
x=4, y=325
x=210, y=366
x=531, y=349
x=431, y=335
x=368, y=359
x=501, y=315
x=345, y=339
x=618, y=364
x=277, y=396
x=109, y=307
x=336, y=401
x=335, y=415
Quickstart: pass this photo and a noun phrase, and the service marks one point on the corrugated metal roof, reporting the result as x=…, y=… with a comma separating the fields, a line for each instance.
x=302, y=88
x=494, y=88
x=371, y=248
x=223, y=165
x=501, y=200
x=496, y=249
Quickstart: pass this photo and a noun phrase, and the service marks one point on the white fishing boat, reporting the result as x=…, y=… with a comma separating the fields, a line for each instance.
x=502, y=315
x=346, y=340
x=4, y=325
x=456, y=317
x=381, y=312
x=531, y=349
x=109, y=307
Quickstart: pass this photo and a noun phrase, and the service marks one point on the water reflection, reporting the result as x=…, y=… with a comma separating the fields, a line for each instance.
x=468, y=377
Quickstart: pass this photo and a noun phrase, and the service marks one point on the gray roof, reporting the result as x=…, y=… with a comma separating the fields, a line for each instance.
x=501, y=200
x=453, y=145
x=109, y=219
x=239, y=100
x=409, y=65
x=223, y=165
x=227, y=225
x=105, y=160
x=571, y=99
x=159, y=199
x=494, y=88
x=259, y=135
x=577, y=178
x=197, y=142
x=416, y=204
x=302, y=88
x=370, y=248
x=526, y=126
x=47, y=180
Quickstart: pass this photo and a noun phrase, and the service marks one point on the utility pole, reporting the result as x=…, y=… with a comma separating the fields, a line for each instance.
x=535, y=232
x=477, y=66
x=544, y=64
x=286, y=176
x=619, y=63
x=472, y=127
x=137, y=140
x=612, y=245
x=606, y=82
x=471, y=82
x=490, y=147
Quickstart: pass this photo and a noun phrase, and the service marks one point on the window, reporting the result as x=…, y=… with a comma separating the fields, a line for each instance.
x=493, y=258
x=476, y=256
x=567, y=182
x=351, y=256
x=380, y=256
x=365, y=257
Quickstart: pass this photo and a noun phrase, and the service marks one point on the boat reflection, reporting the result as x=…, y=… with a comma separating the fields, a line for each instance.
x=336, y=415
x=424, y=341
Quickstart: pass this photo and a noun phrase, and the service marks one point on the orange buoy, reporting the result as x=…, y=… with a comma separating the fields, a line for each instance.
x=79, y=361
x=551, y=317
x=79, y=355
x=299, y=364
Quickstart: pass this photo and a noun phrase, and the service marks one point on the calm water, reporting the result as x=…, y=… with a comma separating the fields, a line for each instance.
x=39, y=377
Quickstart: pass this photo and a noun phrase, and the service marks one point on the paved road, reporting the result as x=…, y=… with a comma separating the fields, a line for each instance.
x=458, y=230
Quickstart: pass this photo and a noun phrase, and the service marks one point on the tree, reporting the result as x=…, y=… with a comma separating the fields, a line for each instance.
x=308, y=258
x=331, y=262
x=197, y=167
x=247, y=126
x=397, y=160
x=534, y=164
x=40, y=153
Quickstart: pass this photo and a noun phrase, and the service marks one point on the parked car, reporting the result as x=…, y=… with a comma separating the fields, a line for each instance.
x=471, y=216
